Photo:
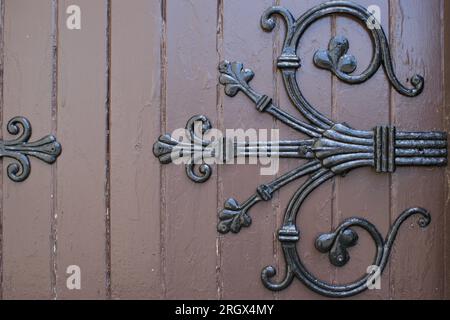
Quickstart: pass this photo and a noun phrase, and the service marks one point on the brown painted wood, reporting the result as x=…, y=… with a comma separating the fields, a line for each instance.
x=417, y=264
x=189, y=210
x=446, y=70
x=135, y=177
x=27, y=206
x=141, y=230
x=80, y=185
x=315, y=216
x=363, y=193
x=2, y=29
x=243, y=256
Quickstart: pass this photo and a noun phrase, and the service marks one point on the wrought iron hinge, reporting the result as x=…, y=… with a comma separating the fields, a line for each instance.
x=332, y=148
x=20, y=149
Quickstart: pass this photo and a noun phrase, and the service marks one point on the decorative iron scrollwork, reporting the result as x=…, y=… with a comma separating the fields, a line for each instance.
x=333, y=148
x=20, y=149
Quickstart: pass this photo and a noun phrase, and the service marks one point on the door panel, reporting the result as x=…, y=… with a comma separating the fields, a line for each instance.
x=136, y=261
x=317, y=211
x=363, y=106
x=80, y=176
x=416, y=49
x=446, y=69
x=141, y=68
x=27, y=258
x=243, y=255
x=190, y=89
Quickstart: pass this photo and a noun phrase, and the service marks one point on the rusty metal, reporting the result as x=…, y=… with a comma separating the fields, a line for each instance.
x=333, y=148
x=20, y=149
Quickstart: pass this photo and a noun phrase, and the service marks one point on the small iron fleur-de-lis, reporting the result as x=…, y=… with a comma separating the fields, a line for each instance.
x=20, y=149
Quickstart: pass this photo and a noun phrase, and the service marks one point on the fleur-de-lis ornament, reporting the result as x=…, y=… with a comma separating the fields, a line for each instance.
x=21, y=149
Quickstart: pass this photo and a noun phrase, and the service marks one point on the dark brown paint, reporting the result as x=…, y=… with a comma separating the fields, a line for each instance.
x=190, y=261
x=144, y=67
x=135, y=174
x=27, y=89
x=82, y=92
x=363, y=193
x=446, y=71
x=412, y=274
x=316, y=213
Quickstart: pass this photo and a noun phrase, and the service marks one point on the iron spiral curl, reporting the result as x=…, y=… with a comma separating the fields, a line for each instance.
x=333, y=149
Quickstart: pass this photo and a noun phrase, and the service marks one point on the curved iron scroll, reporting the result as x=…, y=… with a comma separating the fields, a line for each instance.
x=20, y=149
x=333, y=148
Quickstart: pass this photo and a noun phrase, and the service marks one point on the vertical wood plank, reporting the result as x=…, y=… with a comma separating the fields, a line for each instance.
x=27, y=205
x=446, y=70
x=2, y=34
x=316, y=213
x=135, y=180
x=190, y=212
x=82, y=92
x=363, y=193
x=417, y=264
x=244, y=255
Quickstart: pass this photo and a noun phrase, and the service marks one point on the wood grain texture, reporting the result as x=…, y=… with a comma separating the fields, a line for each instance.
x=190, y=213
x=135, y=178
x=2, y=34
x=244, y=255
x=140, y=230
x=363, y=193
x=27, y=88
x=417, y=265
x=315, y=215
x=446, y=71
x=82, y=92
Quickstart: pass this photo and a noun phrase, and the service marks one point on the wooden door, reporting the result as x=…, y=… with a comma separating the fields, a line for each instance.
x=138, y=229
